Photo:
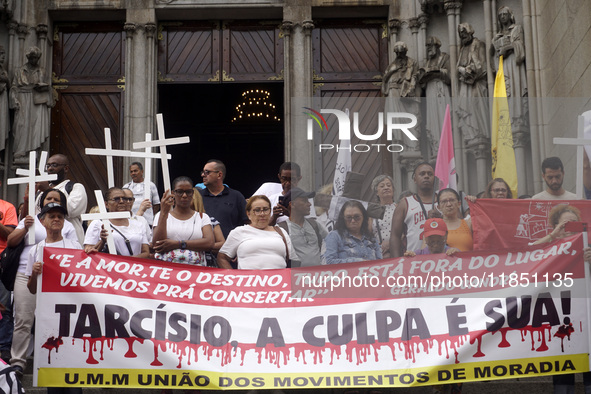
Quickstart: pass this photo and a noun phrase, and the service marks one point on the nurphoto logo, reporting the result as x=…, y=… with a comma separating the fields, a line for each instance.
x=394, y=121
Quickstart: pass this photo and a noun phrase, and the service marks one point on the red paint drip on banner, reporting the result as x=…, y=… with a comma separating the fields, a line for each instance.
x=50, y=344
x=353, y=351
x=564, y=331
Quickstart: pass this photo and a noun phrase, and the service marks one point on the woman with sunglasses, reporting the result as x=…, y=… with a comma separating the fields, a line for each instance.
x=130, y=236
x=352, y=239
x=181, y=235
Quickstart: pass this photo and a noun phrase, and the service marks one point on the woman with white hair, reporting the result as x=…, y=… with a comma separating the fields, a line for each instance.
x=383, y=187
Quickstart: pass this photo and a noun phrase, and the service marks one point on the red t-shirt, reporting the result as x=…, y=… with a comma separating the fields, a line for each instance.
x=8, y=218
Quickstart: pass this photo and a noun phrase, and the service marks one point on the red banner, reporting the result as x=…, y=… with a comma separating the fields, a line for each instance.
x=503, y=223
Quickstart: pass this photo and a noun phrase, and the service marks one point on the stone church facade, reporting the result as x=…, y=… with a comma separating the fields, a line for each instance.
x=116, y=63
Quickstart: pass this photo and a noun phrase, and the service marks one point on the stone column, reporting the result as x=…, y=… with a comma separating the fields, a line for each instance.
x=21, y=31
x=130, y=30
x=489, y=20
x=394, y=26
x=12, y=47
x=41, y=31
x=536, y=135
x=286, y=31
x=150, y=29
x=140, y=79
x=480, y=148
x=423, y=22
x=520, y=144
x=298, y=85
x=414, y=25
x=450, y=7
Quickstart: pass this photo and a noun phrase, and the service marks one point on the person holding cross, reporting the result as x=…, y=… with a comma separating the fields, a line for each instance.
x=75, y=192
x=182, y=235
x=130, y=236
x=24, y=301
x=150, y=206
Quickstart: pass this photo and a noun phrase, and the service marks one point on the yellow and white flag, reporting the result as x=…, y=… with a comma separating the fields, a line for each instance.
x=503, y=155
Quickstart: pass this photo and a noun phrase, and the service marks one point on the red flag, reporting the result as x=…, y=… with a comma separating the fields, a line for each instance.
x=445, y=168
x=506, y=223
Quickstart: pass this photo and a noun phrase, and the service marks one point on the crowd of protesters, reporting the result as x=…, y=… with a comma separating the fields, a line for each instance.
x=212, y=224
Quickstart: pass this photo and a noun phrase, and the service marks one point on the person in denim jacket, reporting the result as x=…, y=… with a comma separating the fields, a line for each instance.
x=352, y=240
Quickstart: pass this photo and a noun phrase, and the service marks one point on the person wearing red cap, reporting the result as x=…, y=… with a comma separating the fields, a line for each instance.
x=435, y=236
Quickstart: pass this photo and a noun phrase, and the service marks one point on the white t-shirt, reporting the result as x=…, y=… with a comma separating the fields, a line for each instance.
x=544, y=195
x=135, y=232
x=184, y=230
x=143, y=220
x=36, y=252
x=68, y=232
x=257, y=249
x=138, y=194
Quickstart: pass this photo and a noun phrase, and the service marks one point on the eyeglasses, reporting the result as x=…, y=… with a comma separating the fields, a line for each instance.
x=356, y=218
x=207, y=172
x=180, y=192
x=285, y=178
x=450, y=201
x=119, y=199
x=53, y=165
x=261, y=211
x=499, y=190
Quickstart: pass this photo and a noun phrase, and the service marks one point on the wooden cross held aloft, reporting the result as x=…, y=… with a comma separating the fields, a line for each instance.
x=579, y=142
x=30, y=178
x=105, y=216
x=162, y=142
x=109, y=152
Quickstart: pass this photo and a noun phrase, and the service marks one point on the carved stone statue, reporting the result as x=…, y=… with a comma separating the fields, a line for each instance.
x=434, y=78
x=4, y=118
x=399, y=85
x=508, y=42
x=473, y=108
x=31, y=99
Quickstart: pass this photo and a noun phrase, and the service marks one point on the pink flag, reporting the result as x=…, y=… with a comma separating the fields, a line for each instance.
x=445, y=168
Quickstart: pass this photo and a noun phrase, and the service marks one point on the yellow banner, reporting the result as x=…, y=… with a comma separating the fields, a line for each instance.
x=411, y=377
x=503, y=154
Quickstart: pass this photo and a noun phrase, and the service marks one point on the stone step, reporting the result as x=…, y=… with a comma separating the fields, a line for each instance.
x=541, y=385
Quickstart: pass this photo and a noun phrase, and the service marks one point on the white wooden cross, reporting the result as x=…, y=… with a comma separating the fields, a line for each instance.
x=105, y=216
x=30, y=178
x=109, y=152
x=162, y=142
x=148, y=171
x=579, y=142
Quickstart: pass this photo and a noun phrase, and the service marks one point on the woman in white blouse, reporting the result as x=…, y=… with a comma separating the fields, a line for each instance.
x=181, y=234
x=130, y=236
x=257, y=245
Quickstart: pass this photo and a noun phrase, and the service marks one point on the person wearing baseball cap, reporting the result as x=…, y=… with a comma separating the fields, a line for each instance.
x=52, y=216
x=435, y=236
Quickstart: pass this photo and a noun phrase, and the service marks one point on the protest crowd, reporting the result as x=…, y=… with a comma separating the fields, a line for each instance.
x=211, y=224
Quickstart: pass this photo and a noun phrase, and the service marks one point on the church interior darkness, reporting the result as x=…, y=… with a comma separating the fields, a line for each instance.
x=251, y=149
